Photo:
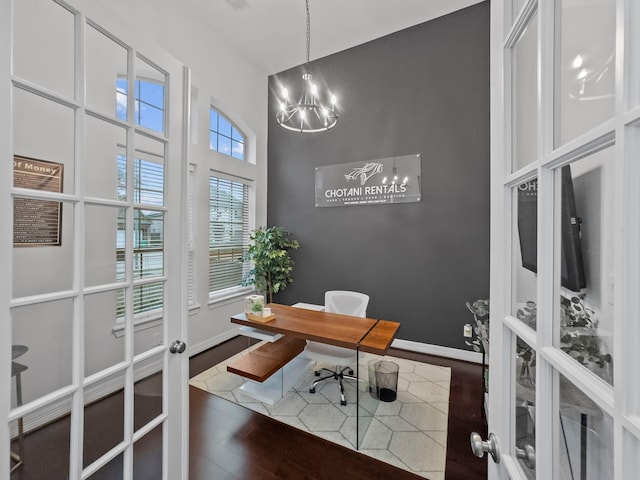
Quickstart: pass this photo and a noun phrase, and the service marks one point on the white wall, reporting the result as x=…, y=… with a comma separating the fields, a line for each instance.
x=219, y=74
x=44, y=130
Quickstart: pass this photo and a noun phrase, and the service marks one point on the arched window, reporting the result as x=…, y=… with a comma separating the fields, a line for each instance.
x=225, y=137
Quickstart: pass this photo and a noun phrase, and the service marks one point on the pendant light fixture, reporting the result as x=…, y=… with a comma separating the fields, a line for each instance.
x=309, y=114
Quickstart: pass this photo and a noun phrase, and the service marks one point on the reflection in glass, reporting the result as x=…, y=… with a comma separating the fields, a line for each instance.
x=525, y=394
x=46, y=330
x=103, y=432
x=585, y=436
x=113, y=469
x=100, y=317
x=585, y=67
x=148, y=243
x=524, y=100
x=585, y=314
x=525, y=254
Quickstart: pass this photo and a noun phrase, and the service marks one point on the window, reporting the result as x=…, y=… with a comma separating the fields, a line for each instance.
x=149, y=103
x=228, y=234
x=148, y=235
x=224, y=136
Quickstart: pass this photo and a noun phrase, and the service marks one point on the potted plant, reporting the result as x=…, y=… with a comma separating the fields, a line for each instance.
x=271, y=263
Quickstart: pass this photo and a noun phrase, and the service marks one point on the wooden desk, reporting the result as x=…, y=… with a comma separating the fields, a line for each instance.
x=365, y=334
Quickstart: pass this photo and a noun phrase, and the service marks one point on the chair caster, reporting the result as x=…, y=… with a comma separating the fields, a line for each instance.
x=350, y=372
x=312, y=390
x=343, y=403
x=317, y=373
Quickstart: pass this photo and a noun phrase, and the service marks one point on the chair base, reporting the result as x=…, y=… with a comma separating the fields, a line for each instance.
x=337, y=374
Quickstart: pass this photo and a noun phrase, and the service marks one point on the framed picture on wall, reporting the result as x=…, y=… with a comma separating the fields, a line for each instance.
x=36, y=222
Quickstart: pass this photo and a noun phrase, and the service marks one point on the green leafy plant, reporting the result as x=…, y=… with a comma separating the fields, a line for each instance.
x=480, y=311
x=271, y=263
x=256, y=307
x=578, y=337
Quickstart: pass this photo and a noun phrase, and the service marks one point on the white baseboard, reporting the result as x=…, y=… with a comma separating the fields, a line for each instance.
x=447, y=352
x=95, y=392
x=212, y=342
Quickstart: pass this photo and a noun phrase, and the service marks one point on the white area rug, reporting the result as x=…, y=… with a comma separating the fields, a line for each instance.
x=410, y=432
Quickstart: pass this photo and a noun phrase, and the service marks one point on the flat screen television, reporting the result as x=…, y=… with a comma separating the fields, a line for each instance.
x=572, y=267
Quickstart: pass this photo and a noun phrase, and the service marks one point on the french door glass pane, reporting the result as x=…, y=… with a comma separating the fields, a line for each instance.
x=585, y=67
x=39, y=440
x=524, y=254
x=585, y=436
x=104, y=245
x=113, y=469
x=103, y=348
x=43, y=45
x=148, y=391
x=44, y=138
x=147, y=460
x=43, y=246
x=525, y=413
x=525, y=97
x=150, y=96
x=104, y=420
x=584, y=205
x=105, y=159
x=44, y=360
x=106, y=68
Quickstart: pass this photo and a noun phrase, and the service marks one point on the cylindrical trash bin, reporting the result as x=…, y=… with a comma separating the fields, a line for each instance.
x=383, y=380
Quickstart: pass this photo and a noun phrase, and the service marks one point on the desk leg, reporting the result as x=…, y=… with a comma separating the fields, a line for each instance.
x=357, y=398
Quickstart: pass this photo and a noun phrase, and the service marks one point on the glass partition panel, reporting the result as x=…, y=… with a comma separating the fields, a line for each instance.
x=43, y=142
x=147, y=458
x=149, y=377
x=150, y=96
x=524, y=110
x=584, y=204
x=43, y=246
x=585, y=436
x=524, y=420
x=104, y=245
x=42, y=347
x=524, y=255
x=26, y=447
x=43, y=45
x=106, y=72
x=104, y=419
x=113, y=469
x=585, y=67
x=105, y=159
x=100, y=318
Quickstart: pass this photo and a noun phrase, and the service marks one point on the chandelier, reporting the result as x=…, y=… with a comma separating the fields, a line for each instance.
x=309, y=114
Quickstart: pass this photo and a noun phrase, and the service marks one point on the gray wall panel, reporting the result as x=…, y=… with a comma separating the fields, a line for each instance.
x=421, y=90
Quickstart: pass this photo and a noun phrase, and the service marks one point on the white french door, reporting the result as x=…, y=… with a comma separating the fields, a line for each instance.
x=564, y=394
x=93, y=207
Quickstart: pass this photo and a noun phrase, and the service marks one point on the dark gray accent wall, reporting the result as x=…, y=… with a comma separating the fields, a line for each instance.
x=421, y=90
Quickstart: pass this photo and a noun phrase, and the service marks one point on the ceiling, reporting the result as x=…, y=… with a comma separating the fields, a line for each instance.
x=272, y=33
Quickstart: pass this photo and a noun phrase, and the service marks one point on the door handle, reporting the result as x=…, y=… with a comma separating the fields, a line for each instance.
x=177, y=346
x=479, y=446
x=527, y=455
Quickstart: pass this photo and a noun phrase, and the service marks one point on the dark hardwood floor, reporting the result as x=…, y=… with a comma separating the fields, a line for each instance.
x=229, y=442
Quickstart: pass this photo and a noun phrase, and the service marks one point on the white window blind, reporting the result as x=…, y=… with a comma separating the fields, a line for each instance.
x=228, y=233
x=191, y=263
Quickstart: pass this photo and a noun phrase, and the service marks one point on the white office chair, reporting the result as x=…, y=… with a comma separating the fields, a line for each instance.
x=347, y=303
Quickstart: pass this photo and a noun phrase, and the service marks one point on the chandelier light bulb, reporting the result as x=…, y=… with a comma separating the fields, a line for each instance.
x=310, y=113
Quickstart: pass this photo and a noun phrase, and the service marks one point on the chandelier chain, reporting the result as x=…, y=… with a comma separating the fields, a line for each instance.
x=308, y=33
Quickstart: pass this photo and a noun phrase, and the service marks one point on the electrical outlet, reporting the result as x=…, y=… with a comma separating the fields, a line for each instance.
x=468, y=331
